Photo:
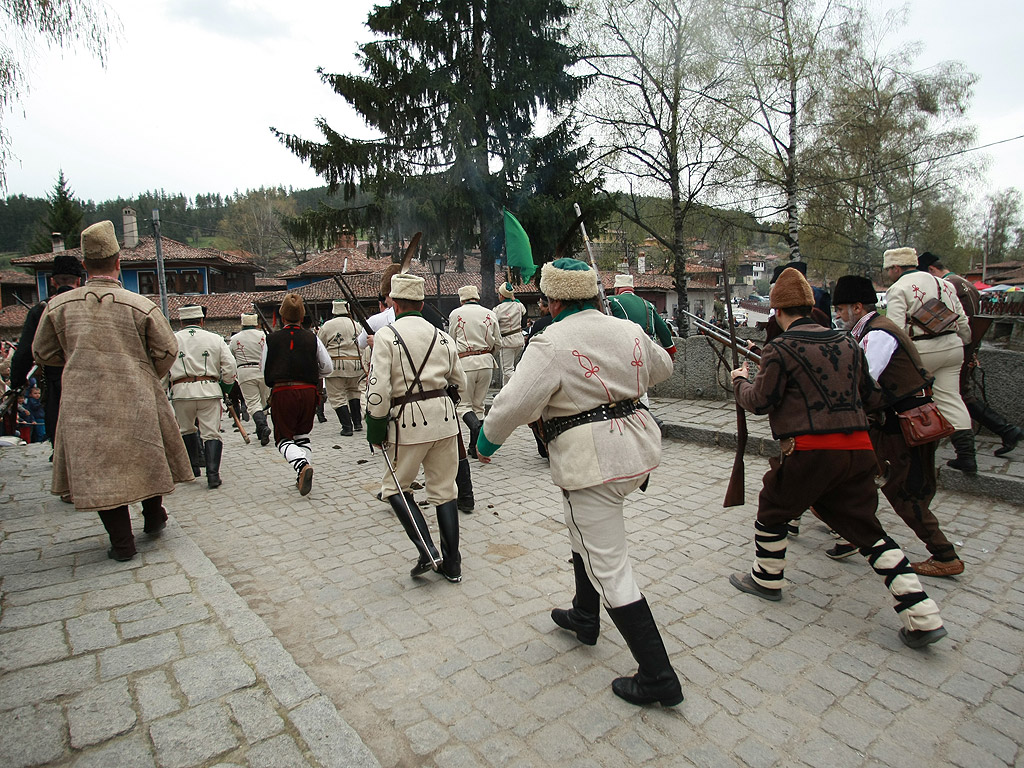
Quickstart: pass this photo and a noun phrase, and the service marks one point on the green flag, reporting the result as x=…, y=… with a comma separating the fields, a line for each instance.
x=517, y=247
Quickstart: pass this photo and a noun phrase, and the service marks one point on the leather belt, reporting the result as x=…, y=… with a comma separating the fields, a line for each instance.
x=248, y=365
x=194, y=379
x=510, y=333
x=345, y=357
x=553, y=427
x=414, y=397
x=294, y=384
x=475, y=352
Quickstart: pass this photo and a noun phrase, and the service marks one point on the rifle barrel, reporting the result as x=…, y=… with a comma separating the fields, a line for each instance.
x=714, y=333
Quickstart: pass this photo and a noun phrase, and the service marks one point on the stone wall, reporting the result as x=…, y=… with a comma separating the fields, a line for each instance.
x=699, y=375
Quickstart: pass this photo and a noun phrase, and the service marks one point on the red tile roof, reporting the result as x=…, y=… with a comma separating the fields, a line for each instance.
x=145, y=252
x=12, y=318
x=271, y=283
x=14, y=277
x=219, y=306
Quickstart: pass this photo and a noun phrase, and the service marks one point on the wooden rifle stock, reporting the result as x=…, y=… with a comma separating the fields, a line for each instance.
x=734, y=493
x=353, y=302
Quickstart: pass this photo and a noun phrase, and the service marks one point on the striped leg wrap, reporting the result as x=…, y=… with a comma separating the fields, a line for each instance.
x=770, y=554
x=914, y=607
x=296, y=451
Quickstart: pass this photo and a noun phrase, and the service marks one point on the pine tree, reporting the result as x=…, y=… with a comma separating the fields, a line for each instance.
x=64, y=216
x=453, y=87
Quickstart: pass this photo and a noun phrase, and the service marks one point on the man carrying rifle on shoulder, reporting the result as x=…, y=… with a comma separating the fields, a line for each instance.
x=247, y=346
x=813, y=383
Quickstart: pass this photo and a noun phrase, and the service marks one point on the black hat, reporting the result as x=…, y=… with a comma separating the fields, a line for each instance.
x=851, y=289
x=926, y=259
x=799, y=266
x=66, y=264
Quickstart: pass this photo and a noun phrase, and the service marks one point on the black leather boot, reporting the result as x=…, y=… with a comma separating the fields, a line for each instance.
x=192, y=448
x=423, y=564
x=992, y=420
x=584, y=618
x=464, y=481
x=448, y=526
x=963, y=443
x=655, y=680
x=474, y=424
x=345, y=419
x=154, y=514
x=357, y=417
x=118, y=523
x=213, y=452
x=262, y=430
x=320, y=411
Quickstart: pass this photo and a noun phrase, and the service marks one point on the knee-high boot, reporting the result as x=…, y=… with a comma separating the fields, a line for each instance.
x=473, y=423
x=345, y=419
x=118, y=523
x=584, y=618
x=448, y=527
x=922, y=624
x=154, y=514
x=963, y=443
x=192, y=448
x=262, y=430
x=213, y=453
x=994, y=421
x=353, y=406
x=464, y=481
x=424, y=563
x=655, y=679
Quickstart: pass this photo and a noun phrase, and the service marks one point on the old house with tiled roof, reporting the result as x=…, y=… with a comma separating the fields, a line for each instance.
x=17, y=287
x=188, y=270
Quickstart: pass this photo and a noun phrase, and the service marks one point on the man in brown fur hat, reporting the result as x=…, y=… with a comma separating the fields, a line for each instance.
x=813, y=383
x=115, y=347
x=294, y=361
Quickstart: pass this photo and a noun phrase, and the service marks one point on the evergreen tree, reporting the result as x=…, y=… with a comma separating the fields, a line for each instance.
x=64, y=216
x=453, y=88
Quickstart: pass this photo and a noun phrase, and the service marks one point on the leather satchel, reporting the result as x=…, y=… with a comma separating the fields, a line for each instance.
x=933, y=317
x=924, y=423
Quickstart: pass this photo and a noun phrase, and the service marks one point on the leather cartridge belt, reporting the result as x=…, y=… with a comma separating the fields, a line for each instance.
x=470, y=353
x=555, y=426
x=414, y=397
x=194, y=379
x=248, y=365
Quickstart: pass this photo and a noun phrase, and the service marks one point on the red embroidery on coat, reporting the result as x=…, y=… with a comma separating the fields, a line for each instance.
x=918, y=294
x=638, y=363
x=590, y=369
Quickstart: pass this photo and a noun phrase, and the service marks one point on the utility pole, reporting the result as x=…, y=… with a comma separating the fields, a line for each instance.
x=160, y=276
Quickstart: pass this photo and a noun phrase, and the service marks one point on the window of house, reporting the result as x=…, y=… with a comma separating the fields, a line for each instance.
x=148, y=283
x=188, y=281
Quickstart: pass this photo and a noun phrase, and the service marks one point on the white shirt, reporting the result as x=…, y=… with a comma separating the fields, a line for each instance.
x=376, y=322
x=878, y=347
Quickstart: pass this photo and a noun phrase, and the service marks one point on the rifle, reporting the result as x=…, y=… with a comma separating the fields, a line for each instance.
x=713, y=333
x=267, y=330
x=601, y=295
x=10, y=398
x=353, y=304
x=734, y=493
x=238, y=422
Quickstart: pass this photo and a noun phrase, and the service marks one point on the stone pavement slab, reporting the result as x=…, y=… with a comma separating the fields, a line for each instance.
x=275, y=630
x=153, y=662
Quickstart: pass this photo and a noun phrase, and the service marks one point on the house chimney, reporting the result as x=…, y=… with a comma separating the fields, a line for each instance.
x=346, y=240
x=131, y=228
x=58, y=242
x=641, y=263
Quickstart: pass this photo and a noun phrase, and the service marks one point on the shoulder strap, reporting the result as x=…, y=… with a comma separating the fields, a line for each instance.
x=417, y=372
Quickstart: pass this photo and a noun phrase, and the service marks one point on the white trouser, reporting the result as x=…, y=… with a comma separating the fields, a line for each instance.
x=596, y=528
x=341, y=389
x=945, y=366
x=255, y=391
x=440, y=462
x=206, y=411
x=507, y=358
x=477, y=384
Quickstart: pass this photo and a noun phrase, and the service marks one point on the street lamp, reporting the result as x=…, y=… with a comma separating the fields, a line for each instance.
x=437, y=264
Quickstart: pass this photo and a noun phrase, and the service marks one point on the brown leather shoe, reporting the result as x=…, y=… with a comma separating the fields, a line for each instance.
x=933, y=567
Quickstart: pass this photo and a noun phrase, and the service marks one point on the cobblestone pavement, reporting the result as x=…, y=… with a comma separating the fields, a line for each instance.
x=432, y=673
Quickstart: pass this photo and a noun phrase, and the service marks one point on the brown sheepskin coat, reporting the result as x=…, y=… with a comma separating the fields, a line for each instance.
x=118, y=441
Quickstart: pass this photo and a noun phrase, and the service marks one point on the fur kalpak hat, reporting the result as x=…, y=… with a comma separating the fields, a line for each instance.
x=292, y=309
x=99, y=241
x=469, y=293
x=623, y=281
x=791, y=290
x=926, y=259
x=851, y=289
x=190, y=312
x=899, y=257
x=568, y=280
x=799, y=266
x=407, y=287
x=506, y=291
x=66, y=264
x=339, y=307
x=250, y=320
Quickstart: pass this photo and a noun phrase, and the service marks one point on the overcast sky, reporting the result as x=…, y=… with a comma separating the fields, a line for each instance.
x=192, y=87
